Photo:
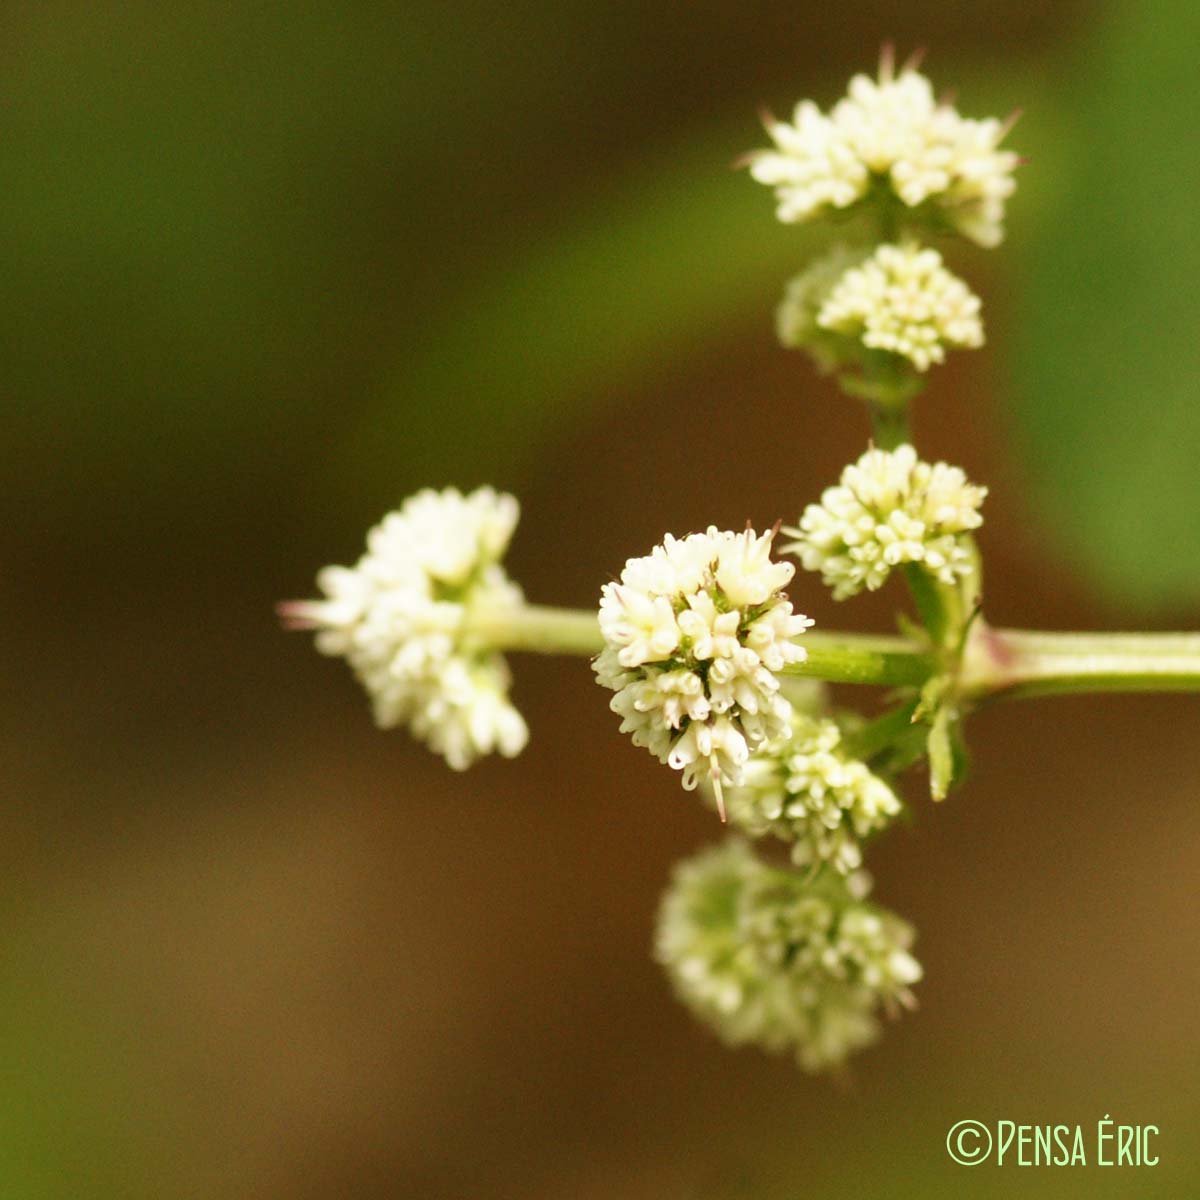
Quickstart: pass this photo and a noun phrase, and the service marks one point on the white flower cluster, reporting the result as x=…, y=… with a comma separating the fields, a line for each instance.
x=796, y=321
x=805, y=789
x=695, y=633
x=889, y=508
x=892, y=132
x=768, y=958
x=903, y=300
x=398, y=617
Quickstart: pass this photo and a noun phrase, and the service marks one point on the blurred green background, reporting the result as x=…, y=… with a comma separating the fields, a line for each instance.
x=266, y=269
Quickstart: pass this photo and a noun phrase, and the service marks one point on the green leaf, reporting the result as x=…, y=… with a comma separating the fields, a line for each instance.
x=679, y=247
x=1108, y=358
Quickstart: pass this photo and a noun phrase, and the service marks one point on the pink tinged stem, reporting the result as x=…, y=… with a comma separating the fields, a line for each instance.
x=294, y=614
x=887, y=62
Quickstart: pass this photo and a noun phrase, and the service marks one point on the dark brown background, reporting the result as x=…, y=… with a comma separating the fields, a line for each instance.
x=254, y=948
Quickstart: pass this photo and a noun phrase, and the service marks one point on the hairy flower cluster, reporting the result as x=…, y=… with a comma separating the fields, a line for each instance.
x=399, y=618
x=695, y=634
x=805, y=789
x=903, y=300
x=891, y=132
x=767, y=958
x=889, y=508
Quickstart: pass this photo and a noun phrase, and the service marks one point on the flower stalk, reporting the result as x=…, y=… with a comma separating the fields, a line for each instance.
x=887, y=660
x=1014, y=664
x=537, y=629
x=997, y=663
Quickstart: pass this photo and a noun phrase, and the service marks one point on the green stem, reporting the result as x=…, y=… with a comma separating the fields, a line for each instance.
x=886, y=385
x=937, y=604
x=890, y=425
x=1016, y=663
x=890, y=386
x=836, y=657
x=997, y=663
x=538, y=629
x=886, y=662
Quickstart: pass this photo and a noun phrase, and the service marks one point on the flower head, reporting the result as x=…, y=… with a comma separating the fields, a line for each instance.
x=695, y=634
x=769, y=958
x=806, y=293
x=399, y=618
x=891, y=132
x=903, y=300
x=813, y=167
x=890, y=508
x=805, y=789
